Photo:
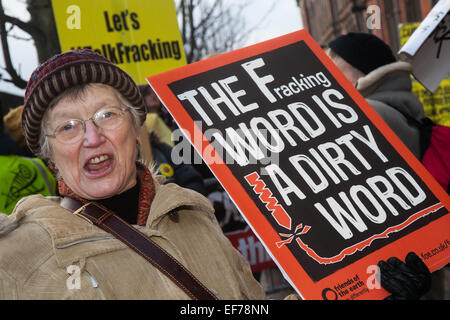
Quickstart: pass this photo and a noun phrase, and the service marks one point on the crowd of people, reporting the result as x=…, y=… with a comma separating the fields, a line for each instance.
x=100, y=146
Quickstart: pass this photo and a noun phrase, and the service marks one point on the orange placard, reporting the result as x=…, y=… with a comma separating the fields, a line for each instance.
x=324, y=183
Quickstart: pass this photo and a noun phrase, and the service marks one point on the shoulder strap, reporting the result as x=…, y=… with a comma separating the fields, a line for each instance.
x=144, y=246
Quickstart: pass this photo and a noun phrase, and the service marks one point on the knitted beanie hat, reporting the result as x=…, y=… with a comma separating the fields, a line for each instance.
x=363, y=51
x=67, y=70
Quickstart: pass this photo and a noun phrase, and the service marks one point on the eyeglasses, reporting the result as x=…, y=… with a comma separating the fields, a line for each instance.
x=72, y=130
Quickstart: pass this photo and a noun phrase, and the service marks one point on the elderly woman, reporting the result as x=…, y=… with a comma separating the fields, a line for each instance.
x=83, y=115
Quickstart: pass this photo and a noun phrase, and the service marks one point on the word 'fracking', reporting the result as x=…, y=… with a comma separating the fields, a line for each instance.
x=120, y=53
x=226, y=96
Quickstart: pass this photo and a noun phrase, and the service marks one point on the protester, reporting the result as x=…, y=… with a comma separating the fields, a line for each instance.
x=48, y=252
x=12, y=140
x=158, y=118
x=385, y=83
x=21, y=177
x=20, y=173
x=9, y=146
x=182, y=174
x=160, y=153
x=437, y=157
x=13, y=125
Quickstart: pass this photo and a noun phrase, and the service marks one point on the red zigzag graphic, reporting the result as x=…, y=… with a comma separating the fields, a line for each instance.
x=265, y=195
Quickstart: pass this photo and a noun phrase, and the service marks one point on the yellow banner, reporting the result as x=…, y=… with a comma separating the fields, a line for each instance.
x=406, y=30
x=437, y=104
x=140, y=36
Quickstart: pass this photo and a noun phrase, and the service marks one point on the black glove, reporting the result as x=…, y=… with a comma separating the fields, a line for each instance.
x=406, y=281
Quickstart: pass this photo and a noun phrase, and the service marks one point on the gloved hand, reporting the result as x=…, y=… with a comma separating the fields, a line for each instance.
x=407, y=280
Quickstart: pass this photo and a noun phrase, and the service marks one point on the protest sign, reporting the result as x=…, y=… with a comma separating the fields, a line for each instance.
x=321, y=179
x=141, y=37
x=436, y=104
x=251, y=249
x=238, y=232
x=428, y=48
x=406, y=30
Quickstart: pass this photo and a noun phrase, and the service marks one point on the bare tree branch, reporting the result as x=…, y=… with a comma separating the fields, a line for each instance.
x=209, y=26
x=43, y=20
x=28, y=27
x=15, y=78
x=11, y=27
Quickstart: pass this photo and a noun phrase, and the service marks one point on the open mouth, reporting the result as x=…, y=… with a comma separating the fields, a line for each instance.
x=99, y=165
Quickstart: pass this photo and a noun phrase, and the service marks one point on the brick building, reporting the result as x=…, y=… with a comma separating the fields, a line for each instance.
x=326, y=19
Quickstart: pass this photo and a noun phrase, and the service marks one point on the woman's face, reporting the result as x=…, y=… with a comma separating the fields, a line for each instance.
x=102, y=163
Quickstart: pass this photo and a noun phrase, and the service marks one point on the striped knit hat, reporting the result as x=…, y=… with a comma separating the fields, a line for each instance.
x=67, y=70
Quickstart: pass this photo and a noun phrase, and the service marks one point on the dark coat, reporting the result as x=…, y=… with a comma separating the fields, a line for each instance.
x=388, y=90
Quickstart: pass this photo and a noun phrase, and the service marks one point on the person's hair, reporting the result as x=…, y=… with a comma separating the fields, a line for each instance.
x=73, y=94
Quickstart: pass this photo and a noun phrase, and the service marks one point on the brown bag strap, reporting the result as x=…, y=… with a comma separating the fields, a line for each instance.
x=144, y=246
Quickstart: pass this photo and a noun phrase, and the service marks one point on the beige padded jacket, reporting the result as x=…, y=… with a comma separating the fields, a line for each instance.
x=47, y=252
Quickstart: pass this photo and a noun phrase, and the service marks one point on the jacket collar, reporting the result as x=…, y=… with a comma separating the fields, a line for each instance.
x=180, y=198
x=372, y=77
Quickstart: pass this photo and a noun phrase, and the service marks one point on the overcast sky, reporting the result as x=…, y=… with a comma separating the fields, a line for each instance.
x=281, y=17
x=271, y=18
